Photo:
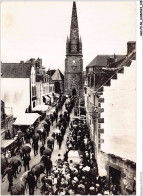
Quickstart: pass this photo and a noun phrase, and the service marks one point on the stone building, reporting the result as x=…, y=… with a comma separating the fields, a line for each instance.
x=111, y=103
x=73, y=84
x=7, y=120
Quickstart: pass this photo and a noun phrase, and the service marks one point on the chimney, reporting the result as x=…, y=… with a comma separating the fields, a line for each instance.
x=110, y=61
x=40, y=62
x=131, y=45
x=32, y=61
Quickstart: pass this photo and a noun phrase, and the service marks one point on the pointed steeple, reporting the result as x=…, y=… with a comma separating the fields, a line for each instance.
x=74, y=34
x=67, y=46
x=73, y=44
x=67, y=39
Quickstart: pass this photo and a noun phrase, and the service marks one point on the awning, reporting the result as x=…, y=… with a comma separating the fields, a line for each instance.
x=26, y=119
x=6, y=143
x=50, y=95
x=47, y=98
x=41, y=108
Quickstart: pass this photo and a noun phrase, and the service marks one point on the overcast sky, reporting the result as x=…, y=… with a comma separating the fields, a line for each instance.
x=39, y=29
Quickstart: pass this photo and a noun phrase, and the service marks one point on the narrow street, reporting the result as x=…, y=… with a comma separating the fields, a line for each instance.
x=36, y=159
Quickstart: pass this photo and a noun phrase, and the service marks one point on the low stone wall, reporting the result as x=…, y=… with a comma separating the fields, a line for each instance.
x=126, y=168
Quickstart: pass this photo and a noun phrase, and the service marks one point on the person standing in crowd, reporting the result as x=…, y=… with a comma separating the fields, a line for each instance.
x=60, y=139
x=47, y=126
x=68, y=119
x=9, y=172
x=26, y=160
x=31, y=181
x=62, y=131
x=49, y=165
x=51, y=118
x=56, y=116
x=7, y=135
x=56, y=109
x=42, y=148
x=43, y=136
x=35, y=145
x=53, y=135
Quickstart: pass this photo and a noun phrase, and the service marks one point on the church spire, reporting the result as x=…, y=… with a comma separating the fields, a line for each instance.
x=74, y=34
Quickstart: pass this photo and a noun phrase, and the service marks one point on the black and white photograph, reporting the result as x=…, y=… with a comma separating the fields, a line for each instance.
x=68, y=98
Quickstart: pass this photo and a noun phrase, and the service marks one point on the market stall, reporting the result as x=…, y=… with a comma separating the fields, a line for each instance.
x=41, y=109
x=25, y=121
x=7, y=145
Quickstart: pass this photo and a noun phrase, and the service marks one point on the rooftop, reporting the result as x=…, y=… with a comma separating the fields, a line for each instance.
x=101, y=60
x=58, y=75
x=108, y=73
x=15, y=70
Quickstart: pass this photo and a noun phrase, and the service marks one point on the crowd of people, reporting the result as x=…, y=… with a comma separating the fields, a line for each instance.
x=67, y=176
x=80, y=177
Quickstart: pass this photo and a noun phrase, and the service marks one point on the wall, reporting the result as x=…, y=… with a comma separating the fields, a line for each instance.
x=33, y=88
x=120, y=115
x=90, y=102
x=73, y=74
x=39, y=92
x=124, y=166
x=9, y=124
x=15, y=92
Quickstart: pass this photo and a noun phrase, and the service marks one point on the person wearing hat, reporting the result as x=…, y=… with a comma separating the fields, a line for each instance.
x=44, y=188
x=31, y=181
x=26, y=160
x=42, y=148
x=92, y=190
x=59, y=160
x=73, y=185
x=48, y=165
x=9, y=172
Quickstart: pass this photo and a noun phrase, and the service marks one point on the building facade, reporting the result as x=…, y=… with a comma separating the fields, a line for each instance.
x=73, y=84
x=18, y=84
x=111, y=116
x=58, y=80
x=7, y=120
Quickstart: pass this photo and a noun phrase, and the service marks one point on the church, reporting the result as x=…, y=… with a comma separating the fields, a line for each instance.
x=73, y=83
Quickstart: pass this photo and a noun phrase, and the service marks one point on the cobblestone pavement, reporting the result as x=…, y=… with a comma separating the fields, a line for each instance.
x=36, y=159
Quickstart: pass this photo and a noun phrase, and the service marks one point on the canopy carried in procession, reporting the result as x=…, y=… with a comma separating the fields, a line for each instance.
x=6, y=143
x=42, y=108
x=26, y=119
x=74, y=156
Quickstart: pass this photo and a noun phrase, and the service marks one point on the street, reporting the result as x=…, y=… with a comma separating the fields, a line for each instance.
x=36, y=159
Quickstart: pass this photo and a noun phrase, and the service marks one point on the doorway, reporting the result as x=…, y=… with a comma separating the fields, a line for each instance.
x=115, y=175
x=74, y=91
x=57, y=87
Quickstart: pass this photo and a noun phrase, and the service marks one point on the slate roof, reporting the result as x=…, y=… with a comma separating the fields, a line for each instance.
x=108, y=73
x=101, y=60
x=15, y=70
x=51, y=72
x=58, y=76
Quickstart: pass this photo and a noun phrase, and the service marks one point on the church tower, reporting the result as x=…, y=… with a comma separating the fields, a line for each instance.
x=73, y=84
